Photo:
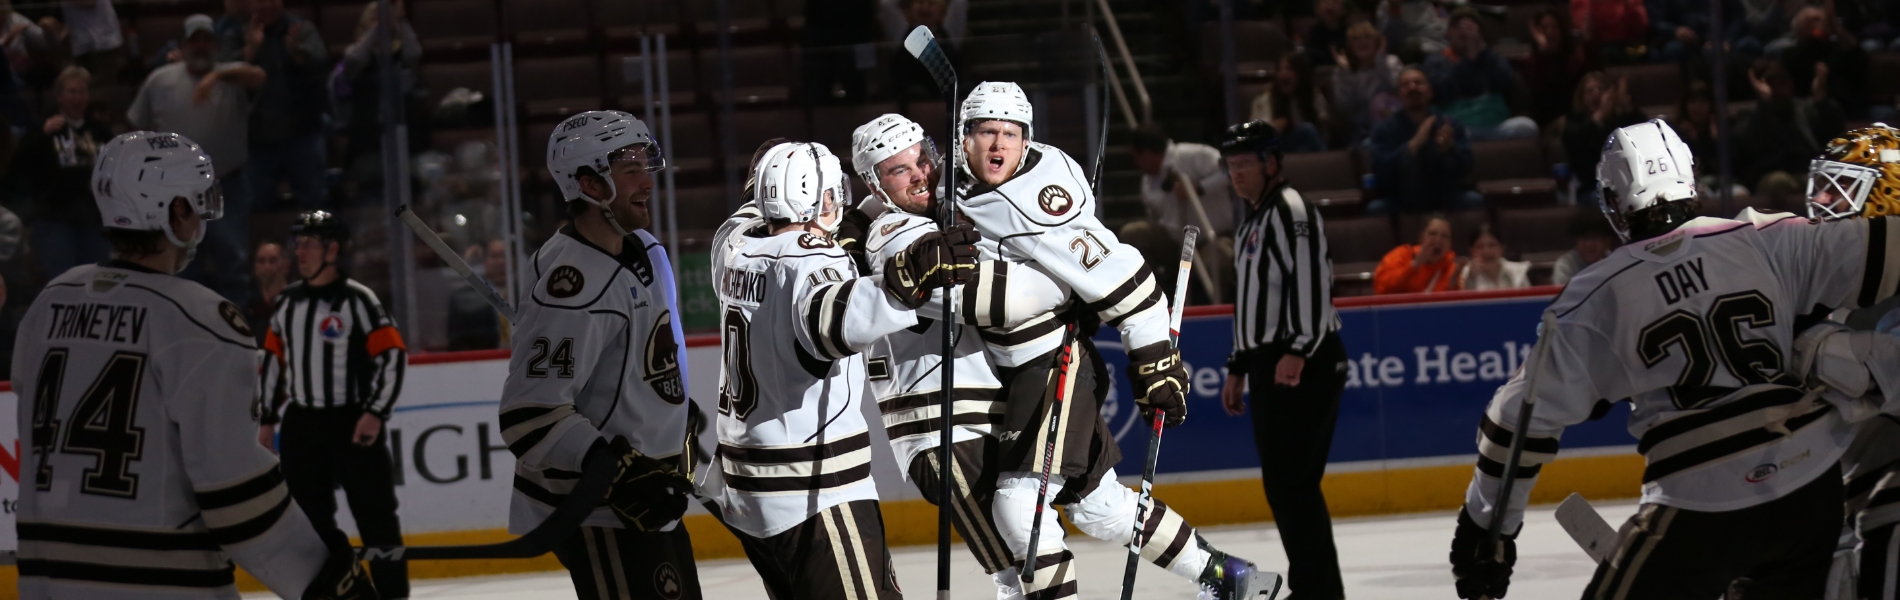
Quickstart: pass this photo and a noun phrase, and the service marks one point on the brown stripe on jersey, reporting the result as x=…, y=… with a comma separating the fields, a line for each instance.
x=962, y=419
x=807, y=453
x=1028, y=332
x=253, y=527
x=1727, y=446
x=115, y=538
x=141, y=576
x=932, y=398
x=241, y=492
x=1127, y=288
x=1680, y=425
x=799, y=483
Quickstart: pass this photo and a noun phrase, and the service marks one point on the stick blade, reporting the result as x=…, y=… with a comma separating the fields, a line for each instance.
x=1586, y=527
x=922, y=45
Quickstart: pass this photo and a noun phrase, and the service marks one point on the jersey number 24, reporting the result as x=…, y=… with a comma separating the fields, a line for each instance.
x=100, y=425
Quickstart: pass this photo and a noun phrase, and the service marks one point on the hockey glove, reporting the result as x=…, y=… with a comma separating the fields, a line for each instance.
x=938, y=259
x=648, y=494
x=1160, y=381
x=1480, y=575
x=342, y=577
x=851, y=236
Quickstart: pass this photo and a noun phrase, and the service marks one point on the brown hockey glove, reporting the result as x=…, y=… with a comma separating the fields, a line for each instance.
x=851, y=236
x=648, y=493
x=342, y=576
x=1160, y=381
x=936, y=260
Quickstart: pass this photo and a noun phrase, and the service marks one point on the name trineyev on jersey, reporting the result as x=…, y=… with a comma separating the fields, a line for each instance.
x=570, y=380
x=795, y=316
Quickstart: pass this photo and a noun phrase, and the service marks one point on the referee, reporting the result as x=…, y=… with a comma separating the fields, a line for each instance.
x=1286, y=333
x=334, y=356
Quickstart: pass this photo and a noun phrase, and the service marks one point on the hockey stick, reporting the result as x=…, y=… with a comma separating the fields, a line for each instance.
x=454, y=261
x=924, y=47
x=1200, y=212
x=1065, y=367
x=598, y=470
x=1188, y=235
x=1546, y=333
x=1101, y=143
x=1586, y=527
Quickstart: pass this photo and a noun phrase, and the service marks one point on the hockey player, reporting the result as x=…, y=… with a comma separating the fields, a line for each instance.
x=1694, y=323
x=1859, y=176
x=899, y=164
x=142, y=477
x=598, y=366
x=1033, y=202
x=792, y=475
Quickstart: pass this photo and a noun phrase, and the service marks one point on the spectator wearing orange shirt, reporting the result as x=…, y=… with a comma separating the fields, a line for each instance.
x=1428, y=266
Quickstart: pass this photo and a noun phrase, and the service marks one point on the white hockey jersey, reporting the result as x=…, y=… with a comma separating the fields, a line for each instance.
x=1693, y=327
x=1045, y=215
x=903, y=367
x=142, y=476
x=795, y=316
x=599, y=353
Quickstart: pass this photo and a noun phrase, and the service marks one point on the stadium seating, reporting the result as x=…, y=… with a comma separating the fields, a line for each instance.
x=1329, y=180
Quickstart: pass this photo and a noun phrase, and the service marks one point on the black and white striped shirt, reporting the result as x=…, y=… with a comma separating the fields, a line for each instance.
x=1285, y=294
x=331, y=346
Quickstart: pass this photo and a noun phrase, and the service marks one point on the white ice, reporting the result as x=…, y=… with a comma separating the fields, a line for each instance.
x=1382, y=558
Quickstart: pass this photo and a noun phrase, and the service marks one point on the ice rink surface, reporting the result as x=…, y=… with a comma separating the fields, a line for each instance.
x=1383, y=558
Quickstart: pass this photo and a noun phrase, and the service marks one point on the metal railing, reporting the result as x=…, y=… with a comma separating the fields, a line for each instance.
x=1134, y=73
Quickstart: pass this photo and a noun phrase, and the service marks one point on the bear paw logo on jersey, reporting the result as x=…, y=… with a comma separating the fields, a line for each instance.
x=662, y=363
x=812, y=241
x=565, y=282
x=1054, y=200
x=331, y=328
x=235, y=318
x=666, y=581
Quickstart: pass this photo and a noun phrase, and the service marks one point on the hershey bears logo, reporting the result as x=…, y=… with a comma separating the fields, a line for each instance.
x=565, y=282
x=887, y=229
x=234, y=318
x=813, y=242
x=662, y=363
x=666, y=581
x=1054, y=200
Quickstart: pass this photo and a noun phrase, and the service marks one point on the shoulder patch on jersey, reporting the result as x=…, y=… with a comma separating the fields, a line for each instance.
x=1055, y=200
x=814, y=242
x=892, y=226
x=566, y=282
x=103, y=281
x=235, y=318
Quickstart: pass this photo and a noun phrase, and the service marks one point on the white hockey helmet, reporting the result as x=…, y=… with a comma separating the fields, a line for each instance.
x=793, y=179
x=880, y=139
x=994, y=100
x=137, y=175
x=594, y=139
x=1646, y=166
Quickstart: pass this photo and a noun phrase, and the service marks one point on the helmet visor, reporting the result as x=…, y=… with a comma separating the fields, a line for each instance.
x=1838, y=190
x=648, y=154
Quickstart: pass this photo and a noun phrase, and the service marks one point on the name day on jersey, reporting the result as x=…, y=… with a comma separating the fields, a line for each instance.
x=102, y=322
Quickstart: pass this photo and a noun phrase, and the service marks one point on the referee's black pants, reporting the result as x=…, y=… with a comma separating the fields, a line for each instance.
x=1292, y=432
x=317, y=456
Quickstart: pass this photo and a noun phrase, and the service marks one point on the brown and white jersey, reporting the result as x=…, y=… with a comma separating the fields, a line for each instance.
x=142, y=476
x=598, y=354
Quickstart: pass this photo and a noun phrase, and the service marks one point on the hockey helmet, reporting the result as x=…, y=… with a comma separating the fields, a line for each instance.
x=880, y=139
x=1256, y=137
x=792, y=182
x=322, y=225
x=1647, y=180
x=596, y=139
x=137, y=176
x=1857, y=175
x=1001, y=100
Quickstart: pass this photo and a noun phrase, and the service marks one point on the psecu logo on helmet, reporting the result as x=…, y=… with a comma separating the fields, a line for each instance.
x=331, y=328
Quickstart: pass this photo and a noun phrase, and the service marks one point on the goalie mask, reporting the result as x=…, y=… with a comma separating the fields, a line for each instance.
x=1858, y=175
x=802, y=182
x=138, y=175
x=1647, y=180
x=878, y=141
x=999, y=101
x=595, y=140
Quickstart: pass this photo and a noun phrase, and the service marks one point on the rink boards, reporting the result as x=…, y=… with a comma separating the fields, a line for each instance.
x=1421, y=371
